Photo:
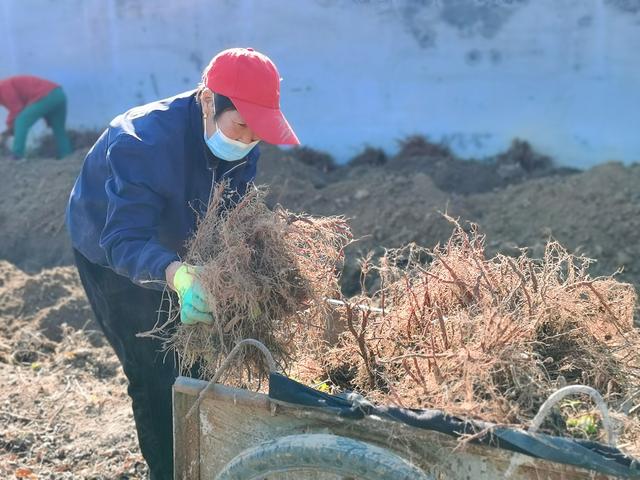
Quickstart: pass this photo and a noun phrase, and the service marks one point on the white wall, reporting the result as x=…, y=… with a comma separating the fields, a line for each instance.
x=564, y=74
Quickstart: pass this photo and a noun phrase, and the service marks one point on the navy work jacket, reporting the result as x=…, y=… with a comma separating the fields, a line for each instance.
x=143, y=185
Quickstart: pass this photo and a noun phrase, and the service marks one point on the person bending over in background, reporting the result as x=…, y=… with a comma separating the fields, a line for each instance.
x=28, y=99
x=132, y=209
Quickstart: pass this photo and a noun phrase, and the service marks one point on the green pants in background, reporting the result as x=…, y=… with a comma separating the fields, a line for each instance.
x=53, y=108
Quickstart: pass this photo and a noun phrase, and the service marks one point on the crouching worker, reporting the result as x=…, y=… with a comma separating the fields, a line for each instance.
x=132, y=209
x=29, y=99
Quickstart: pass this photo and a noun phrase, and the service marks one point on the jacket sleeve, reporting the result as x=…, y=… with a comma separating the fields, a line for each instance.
x=12, y=101
x=135, y=204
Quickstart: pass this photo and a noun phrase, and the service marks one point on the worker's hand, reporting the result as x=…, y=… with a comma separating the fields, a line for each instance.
x=194, y=307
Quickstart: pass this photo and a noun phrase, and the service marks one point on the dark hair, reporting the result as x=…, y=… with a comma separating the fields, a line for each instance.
x=222, y=103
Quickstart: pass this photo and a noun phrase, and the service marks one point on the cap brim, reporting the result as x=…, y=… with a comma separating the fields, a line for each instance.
x=268, y=123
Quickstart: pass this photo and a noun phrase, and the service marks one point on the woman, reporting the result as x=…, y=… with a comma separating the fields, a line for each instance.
x=132, y=209
x=29, y=99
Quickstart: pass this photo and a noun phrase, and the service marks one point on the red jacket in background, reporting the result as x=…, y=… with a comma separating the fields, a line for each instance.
x=22, y=90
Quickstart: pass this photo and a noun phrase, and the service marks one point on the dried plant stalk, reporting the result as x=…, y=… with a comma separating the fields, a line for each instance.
x=486, y=338
x=266, y=274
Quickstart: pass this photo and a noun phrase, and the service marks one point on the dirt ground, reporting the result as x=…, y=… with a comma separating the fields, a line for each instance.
x=64, y=410
x=595, y=212
x=51, y=377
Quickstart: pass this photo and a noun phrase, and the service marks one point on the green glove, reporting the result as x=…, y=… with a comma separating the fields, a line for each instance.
x=193, y=299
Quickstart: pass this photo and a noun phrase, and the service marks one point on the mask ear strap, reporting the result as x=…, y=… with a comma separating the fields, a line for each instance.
x=204, y=124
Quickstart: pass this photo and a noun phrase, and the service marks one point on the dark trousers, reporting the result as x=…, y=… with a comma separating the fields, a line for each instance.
x=124, y=309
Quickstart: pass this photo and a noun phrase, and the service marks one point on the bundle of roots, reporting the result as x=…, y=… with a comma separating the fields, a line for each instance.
x=267, y=273
x=481, y=337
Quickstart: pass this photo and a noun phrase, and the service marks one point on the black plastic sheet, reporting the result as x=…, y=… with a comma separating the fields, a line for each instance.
x=581, y=453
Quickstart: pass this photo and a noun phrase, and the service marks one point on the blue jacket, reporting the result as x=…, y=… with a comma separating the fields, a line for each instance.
x=132, y=206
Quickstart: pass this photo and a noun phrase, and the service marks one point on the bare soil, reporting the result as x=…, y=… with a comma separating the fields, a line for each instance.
x=64, y=412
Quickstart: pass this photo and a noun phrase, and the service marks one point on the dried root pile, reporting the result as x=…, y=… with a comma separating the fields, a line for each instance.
x=448, y=328
x=267, y=274
x=486, y=338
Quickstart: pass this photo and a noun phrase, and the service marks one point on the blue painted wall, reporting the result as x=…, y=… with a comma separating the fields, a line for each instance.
x=564, y=74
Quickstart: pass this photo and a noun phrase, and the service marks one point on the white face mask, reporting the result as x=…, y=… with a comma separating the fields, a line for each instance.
x=226, y=148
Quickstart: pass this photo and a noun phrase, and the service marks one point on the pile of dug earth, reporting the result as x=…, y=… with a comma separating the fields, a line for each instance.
x=64, y=412
x=518, y=198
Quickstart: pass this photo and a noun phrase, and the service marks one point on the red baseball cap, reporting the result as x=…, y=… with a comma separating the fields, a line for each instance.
x=252, y=82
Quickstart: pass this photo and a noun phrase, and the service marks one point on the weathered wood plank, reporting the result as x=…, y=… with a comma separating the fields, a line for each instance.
x=232, y=420
x=186, y=438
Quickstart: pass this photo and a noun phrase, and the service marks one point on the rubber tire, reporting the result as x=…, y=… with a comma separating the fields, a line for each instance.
x=324, y=452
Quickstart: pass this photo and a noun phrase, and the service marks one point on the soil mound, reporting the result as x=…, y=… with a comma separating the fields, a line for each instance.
x=389, y=202
x=596, y=213
x=51, y=374
x=44, y=301
x=81, y=140
x=456, y=175
x=32, y=211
